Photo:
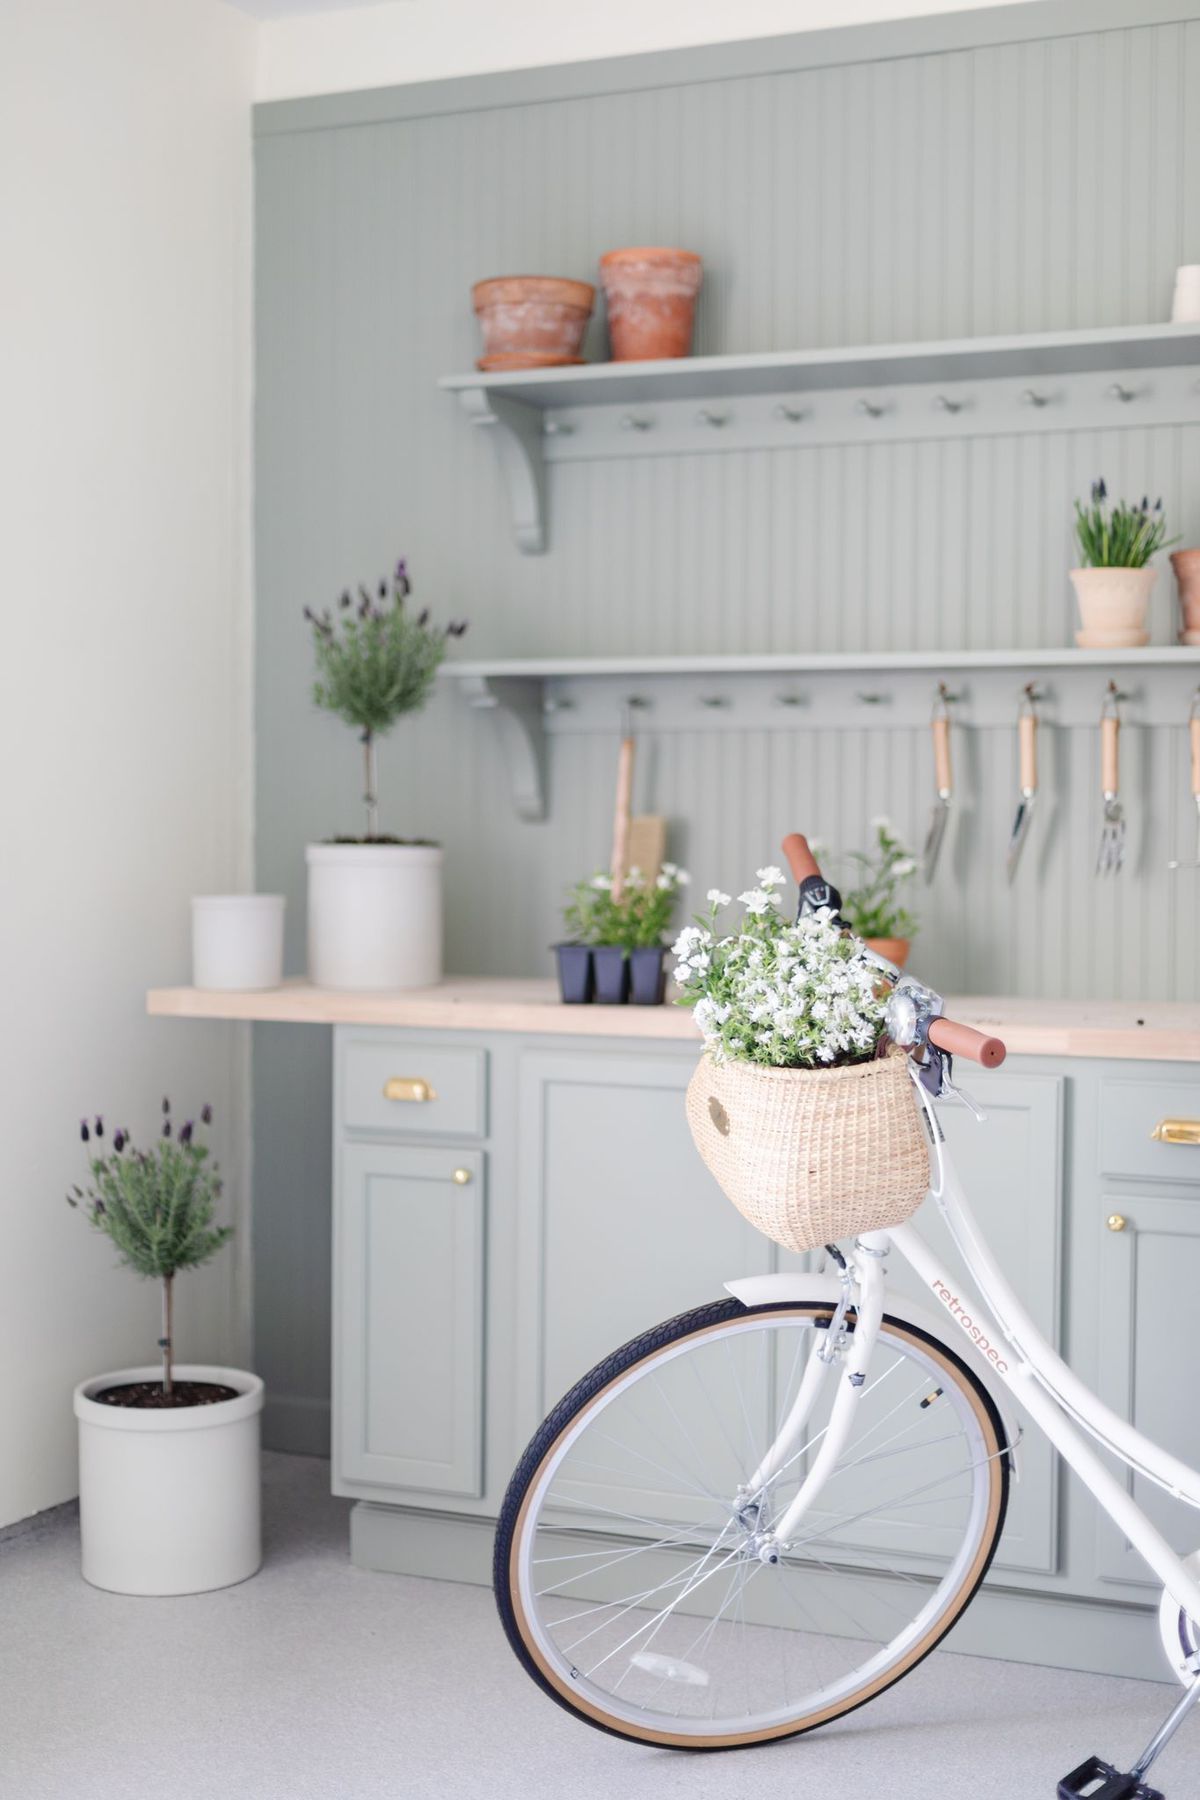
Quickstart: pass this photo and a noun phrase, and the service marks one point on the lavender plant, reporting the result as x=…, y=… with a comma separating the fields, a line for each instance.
x=376, y=661
x=155, y=1205
x=1119, y=536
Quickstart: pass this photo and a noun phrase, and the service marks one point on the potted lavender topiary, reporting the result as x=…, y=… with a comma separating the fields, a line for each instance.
x=375, y=902
x=168, y=1453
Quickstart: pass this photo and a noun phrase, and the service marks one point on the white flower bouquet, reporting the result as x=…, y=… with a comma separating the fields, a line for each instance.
x=799, y=1107
x=789, y=995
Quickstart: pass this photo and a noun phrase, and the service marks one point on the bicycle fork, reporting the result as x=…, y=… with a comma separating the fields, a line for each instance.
x=839, y=1355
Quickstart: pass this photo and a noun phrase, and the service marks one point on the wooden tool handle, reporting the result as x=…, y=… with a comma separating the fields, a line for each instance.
x=1027, y=733
x=619, y=866
x=1109, y=778
x=1194, y=731
x=941, y=754
x=800, y=858
x=964, y=1040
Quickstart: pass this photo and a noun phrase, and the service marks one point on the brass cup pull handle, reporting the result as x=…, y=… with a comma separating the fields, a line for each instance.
x=1116, y=1221
x=1177, y=1131
x=408, y=1087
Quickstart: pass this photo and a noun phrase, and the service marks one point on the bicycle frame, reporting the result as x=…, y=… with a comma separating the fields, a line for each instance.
x=1014, y=1350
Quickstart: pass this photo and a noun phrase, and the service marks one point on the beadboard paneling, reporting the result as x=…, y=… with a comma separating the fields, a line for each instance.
x=1019, y=186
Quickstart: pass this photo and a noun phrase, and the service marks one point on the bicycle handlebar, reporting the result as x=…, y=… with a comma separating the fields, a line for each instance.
x=944, y=1034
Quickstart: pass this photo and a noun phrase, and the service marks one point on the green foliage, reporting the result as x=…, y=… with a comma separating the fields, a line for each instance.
x=1119, y=536
x=872, y=908
x=155, y=1205
x=638, y=920
x=376, y=661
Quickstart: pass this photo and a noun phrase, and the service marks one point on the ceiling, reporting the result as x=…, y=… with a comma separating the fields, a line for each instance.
x=284, y=9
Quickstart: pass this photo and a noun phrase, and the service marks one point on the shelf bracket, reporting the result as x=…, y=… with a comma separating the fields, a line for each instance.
x=516, y=704
x=519, y=440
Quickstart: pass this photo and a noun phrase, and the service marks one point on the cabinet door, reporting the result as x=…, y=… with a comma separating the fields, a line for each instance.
x=1149, y=1271
x=1012, y=1173
x=408, y=1273
x=620, y=1223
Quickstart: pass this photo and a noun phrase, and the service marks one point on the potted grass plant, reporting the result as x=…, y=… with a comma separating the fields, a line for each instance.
x=872, y=907
x=375, y=902
x=617, y=946
x=1113, y=583
x=168, y=1452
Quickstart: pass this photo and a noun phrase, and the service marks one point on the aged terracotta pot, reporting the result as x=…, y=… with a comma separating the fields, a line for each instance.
x=651, y=297
x=1186, y=564
x=1112, y=606
x=894, y=949
x=532, y=321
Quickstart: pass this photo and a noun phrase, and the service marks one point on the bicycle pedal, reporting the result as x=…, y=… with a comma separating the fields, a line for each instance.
x=1098, y=1780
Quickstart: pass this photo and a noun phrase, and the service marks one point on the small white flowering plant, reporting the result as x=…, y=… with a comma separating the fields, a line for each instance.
x=790, y=995
x=873, y=907
x=639, y=920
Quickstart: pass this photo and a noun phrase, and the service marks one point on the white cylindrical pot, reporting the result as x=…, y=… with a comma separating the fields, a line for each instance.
x=169, y=1501
x=1185, y=305
x=237, y=941
x=374, y=915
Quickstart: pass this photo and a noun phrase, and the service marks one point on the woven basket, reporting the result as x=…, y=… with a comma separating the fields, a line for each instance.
x=812, y=1155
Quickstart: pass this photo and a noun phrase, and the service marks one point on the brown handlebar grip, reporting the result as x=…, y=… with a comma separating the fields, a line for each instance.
x=964, y=1040
x=800, y=858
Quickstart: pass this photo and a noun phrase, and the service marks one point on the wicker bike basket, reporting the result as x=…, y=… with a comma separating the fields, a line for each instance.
x=809, y=1156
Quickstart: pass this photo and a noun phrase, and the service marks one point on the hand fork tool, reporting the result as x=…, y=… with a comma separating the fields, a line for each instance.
x=1111, y=853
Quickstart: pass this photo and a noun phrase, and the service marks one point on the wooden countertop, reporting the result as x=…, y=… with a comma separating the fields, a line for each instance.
x=1162, y=1032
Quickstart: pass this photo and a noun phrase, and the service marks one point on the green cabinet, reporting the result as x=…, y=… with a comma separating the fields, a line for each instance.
x=408, y=1334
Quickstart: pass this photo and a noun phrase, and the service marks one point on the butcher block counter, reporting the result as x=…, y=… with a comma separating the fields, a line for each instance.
x=1163, y=1032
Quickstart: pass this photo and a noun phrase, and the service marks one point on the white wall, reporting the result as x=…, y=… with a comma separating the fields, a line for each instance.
x=124, y=677
x=424, y=40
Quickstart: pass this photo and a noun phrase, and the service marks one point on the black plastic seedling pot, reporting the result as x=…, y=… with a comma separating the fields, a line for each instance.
x=648, y=975
x=612, y=974
x=576, y=975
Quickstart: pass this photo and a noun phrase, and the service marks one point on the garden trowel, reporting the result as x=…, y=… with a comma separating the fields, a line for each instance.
x=943, y=781
x=1027, y=729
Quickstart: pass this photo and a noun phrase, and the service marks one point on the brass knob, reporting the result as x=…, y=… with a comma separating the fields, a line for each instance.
x=1116, y=1221
x=462, y=1176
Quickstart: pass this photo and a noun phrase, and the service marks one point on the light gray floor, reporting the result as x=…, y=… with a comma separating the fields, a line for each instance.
x=316, y=1681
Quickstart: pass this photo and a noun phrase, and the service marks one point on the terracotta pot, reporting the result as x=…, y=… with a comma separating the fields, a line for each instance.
x=651, y=298
x=894, y=949
x=1112, y=606
x=1186, y=564
x=532, y=321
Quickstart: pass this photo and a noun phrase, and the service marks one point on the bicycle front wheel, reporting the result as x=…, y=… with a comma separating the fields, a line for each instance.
x=627, y=1565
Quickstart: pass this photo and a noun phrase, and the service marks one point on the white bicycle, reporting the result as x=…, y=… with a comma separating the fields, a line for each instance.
x=757, y=1516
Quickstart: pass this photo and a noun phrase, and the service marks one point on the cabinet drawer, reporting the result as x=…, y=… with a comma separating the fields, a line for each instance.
x=407, y=1087
x=1129, y=1113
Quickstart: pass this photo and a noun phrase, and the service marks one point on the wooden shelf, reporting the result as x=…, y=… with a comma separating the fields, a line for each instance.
x=784, y=663
x=1038, y=381
x=532, y=697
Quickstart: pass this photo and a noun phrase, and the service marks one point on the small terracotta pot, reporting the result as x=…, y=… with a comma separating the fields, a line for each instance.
x=1112, y=606
x=1186, y=564
x=651, y=297
x=532, y=321
x=894, y=949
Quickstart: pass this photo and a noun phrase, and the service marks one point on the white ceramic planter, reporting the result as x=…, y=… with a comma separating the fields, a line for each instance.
x=374, y=915
x=1113, y=605
x=169, y=1501
x=237, y=941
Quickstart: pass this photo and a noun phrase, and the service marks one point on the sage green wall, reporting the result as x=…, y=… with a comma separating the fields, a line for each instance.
x=946, y=179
